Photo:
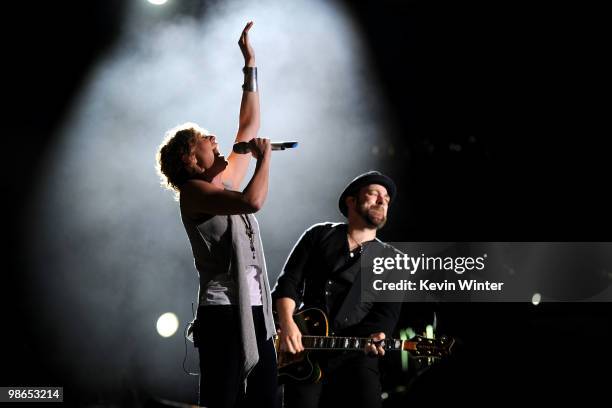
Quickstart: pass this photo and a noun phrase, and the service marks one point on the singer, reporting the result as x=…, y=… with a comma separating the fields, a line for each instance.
x=233, y=328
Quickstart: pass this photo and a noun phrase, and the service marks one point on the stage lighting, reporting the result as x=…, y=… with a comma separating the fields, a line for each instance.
x=167, y=324
x=157, y=2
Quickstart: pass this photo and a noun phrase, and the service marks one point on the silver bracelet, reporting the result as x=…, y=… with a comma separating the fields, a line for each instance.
x=250, y=79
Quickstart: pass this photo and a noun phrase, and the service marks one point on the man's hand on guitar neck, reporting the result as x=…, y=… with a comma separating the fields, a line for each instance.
x=289, y=332
x=375, y=348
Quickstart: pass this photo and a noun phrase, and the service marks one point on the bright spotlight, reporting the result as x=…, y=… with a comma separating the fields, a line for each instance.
x=536, y=298
x=157, y=2
x=167, y=324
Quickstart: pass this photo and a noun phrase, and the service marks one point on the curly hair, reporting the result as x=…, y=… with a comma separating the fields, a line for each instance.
x=177, y=142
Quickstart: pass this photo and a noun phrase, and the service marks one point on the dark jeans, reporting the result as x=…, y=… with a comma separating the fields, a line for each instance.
x=217, y=336
x=349, y=380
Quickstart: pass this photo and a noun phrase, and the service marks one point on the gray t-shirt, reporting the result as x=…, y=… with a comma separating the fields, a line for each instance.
x=211, y=245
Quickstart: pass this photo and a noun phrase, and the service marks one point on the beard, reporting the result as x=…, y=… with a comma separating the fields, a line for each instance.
x=373, y=215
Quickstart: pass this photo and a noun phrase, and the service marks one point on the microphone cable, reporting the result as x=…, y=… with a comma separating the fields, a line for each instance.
x=187, y=326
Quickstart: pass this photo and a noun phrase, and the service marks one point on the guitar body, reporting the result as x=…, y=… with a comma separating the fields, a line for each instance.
x=314, y=326
x=302, y=367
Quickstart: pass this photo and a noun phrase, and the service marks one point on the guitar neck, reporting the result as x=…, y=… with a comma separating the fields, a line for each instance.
x=314, y=320
x=351, y=343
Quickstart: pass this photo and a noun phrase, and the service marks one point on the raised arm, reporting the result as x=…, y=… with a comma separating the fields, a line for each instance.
x=248, y=124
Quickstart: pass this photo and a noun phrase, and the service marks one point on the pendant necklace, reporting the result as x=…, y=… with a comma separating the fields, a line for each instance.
x=249, y=232
x=352, y=253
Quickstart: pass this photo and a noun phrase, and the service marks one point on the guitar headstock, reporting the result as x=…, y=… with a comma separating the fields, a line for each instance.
x=422, y=347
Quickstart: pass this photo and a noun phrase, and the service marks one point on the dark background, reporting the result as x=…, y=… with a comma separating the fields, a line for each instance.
x=517, y=87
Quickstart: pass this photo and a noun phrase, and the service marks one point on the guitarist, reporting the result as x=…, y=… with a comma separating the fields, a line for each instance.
x=323, y=271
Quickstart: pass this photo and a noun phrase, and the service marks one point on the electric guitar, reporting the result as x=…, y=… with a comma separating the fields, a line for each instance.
x=313, y=324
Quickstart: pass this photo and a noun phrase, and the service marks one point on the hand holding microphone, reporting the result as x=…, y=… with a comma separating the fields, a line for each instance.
x=259, y=147
x=246, y=147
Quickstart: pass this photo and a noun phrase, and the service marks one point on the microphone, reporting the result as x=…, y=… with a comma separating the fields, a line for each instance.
x=244, y=147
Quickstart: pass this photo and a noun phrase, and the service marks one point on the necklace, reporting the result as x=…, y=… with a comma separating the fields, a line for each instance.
x=352, y=252
x=249, y=231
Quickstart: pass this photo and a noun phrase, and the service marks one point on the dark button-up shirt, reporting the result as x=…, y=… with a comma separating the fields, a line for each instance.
x=320, y=272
